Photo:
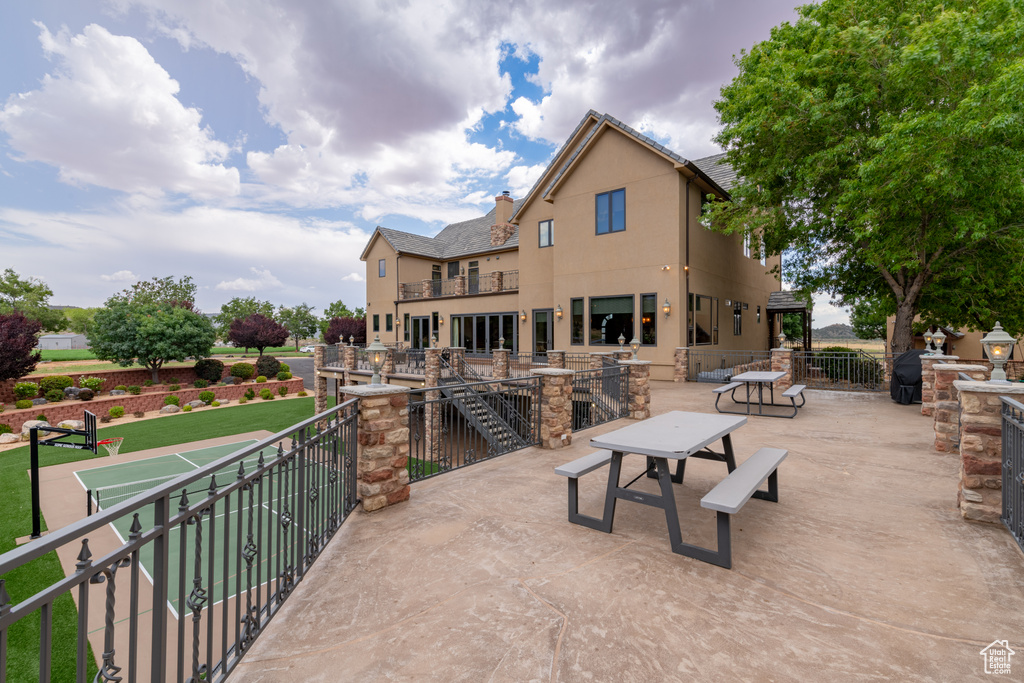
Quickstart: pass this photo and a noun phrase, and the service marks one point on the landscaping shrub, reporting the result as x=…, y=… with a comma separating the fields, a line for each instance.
x=55, y=395
x=171, y=400
x=26, y=390
x=266, y=394
x=174, y=387
x=139, y=413
x=22, y=404
x=174, y=380
x=282, y=376
x=302, y=393
x=134, y=389
x=121, y=387
x=94, y=383
x=104, y=418
x=284, y=368
x=86, y=394
x=206, y=397
x=187, y=408
x=200, y=384
x=41, y=416
x=60, y=382
x=268, y=366
x=243, y=371
x=117, y=411
x=848, y=366
x=148, y=383
x=215, y=404
x=261, y=379
x=5, y=428
x=209, y=369
x=243, y=400
x=283, y=391
x=250, y=394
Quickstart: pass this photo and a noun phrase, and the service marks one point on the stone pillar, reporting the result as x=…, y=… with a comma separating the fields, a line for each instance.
x=782, y=361
x=597, y=359
x=928, y=380
x=682, y=370
x=348, y=357
x=428, y=289
x=555, y=407
x=401, y=291
x=457, y=358
x=947, y=403
x=499, y=363
x=388, y=368
x=383, y=434
x=623, y=355
x=556, y=360
x=460, y=285
x=432, y=413
x=639, y=388
x=319, y=381
x=496, y=281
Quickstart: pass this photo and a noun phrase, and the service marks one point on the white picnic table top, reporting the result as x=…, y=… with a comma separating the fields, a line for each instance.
x=674, y=435
x=758, y=376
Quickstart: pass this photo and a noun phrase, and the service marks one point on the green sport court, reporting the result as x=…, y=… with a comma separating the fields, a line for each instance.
x=111, y=484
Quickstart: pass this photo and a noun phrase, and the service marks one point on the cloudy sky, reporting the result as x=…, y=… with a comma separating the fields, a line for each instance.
x=255, y=144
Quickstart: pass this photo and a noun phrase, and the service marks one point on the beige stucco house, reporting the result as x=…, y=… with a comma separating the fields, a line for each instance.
x=606, y=243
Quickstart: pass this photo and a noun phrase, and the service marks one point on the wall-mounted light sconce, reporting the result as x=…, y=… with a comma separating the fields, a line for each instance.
x=686, y=268
x=728, y=302
x=558, y=312
x=664, y=268
x=398, y=322
x=440, y=320
x=666, y=307
x=634, y=346
x=522, y=316
x=463, y=270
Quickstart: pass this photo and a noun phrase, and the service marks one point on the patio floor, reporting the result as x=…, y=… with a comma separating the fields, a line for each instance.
x=864, y=570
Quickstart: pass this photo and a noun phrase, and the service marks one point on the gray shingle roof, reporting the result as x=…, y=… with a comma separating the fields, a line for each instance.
x=454, y=241
x=719, y=170
x=784, y=301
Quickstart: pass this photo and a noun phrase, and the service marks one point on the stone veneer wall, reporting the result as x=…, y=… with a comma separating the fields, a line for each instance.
x=682, y=369
x=782, y=361
x=928, y=380
x=639, y=388
x=555, y=407
x=946, y=414
x=383, y=434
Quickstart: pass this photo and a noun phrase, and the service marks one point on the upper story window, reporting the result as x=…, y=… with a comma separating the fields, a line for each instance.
x=376, y=322
x=381, y=267
x=576, y=319
x=546, y=233
x=611, y=212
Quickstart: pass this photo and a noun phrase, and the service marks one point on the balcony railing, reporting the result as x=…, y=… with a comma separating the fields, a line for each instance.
x=463, y=285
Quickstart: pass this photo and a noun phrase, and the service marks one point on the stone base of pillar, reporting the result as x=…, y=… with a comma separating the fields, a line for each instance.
x=555, y=407
x=682, y=369
x=383, y=435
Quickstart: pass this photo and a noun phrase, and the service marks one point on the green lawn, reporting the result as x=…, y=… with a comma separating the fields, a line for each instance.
x=16, y=521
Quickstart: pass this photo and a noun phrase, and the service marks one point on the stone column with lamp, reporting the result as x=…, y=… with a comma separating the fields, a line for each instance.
x=383, y=436
x=499, y=361
x=388, y=368
x=348, y=360
x=946, y=402
x=432, y=411
x=555, y=407
x=377, y=352
x=928, y=362
x=639, y=388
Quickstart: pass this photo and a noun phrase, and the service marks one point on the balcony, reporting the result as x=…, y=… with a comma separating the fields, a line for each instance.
x=463, y=285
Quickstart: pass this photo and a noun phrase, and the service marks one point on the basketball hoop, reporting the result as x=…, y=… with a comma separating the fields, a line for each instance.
x=112, y=445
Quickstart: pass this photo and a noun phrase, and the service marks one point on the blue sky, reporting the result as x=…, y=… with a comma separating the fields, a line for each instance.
x=254, y=144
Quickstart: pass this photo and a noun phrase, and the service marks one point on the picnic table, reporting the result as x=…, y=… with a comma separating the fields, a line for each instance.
x=755, y=382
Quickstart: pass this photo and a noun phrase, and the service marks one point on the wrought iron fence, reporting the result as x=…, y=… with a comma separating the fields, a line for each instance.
x=520, y=364
x=842, y=370
x=1013, y=469
x=599, y=396
x=245, y=529
x=509, y=280
x=577, y=361
x=332, y=356
x=720, y=366
x=412, y=290
x=461, y=424
x=363, y=360
x=410, y=361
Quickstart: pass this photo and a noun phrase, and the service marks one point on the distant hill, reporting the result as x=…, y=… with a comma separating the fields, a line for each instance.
x=836, y=331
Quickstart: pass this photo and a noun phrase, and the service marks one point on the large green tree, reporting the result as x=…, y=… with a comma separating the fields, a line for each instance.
x=301, y=322
x=80, y=319
x=238, y=309
x=159, y=291
x=338, y=309
x=31, y=297
x=882, y=143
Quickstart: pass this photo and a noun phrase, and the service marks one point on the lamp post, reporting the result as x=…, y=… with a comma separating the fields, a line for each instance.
x=997, y=345
x=939, y=338
x=377, y=352
x=351, y=340
x=634, y=346
x=622, y=340
x=781, y=338
x=928, y=339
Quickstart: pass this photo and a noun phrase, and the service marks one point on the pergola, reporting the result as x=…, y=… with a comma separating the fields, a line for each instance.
x=780, y=303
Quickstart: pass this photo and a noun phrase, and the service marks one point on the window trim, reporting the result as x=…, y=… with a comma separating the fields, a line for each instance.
x=551, y=233
x=611, y=222
x=632, y=298
x=583, y=315
x=654, y=317
x=382, y=267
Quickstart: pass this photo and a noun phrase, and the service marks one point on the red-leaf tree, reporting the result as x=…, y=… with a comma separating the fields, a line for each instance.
x=340, y=329
x=258, y=332
x=17, y=341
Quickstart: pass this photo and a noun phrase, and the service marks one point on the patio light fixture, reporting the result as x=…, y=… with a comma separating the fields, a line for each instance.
x=781, y=338
x=666, y=307
x=998, y=345
x=377, y=352
x=939, y=338
x=433, y=342
x=351, y=340
x=558, y=312
x=622, y=340
x=522, y=316
x=634, y=345
x=928, y=339
x=440, y=320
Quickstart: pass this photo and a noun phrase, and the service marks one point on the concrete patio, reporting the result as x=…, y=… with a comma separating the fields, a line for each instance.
x=864, y=570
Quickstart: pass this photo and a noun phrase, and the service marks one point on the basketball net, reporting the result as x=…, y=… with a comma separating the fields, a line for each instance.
x=112, y=445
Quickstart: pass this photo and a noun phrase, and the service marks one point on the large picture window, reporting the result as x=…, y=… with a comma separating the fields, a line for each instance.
x=611, y=212
x=703, y=320
x=649, y=319
x=611, y=316
x=576, y=321
x=546, y=233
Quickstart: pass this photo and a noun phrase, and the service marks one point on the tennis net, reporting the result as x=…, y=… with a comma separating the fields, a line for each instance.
x=109, y=496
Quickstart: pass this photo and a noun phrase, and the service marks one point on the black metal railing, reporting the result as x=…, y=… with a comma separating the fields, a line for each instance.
x=521, y=364
x=509, y=280
x=363, y=360
x=577, y=361
x=410, y=361
x=466, y=423
x=332, y=356
x=245, y=529
x=720, y=366
x=1013, y=469
x=841, y=370
x=470, y=285
x=599, y=396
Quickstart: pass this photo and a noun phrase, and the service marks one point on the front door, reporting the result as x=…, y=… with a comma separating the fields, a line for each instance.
x=543, y=330
x=420, y=332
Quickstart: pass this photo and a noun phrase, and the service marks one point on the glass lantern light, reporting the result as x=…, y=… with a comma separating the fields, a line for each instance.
x=928, y=339
x=634, y=346
x=998, y=345
x=377, y=352
x=622, y=340
x=939, y=338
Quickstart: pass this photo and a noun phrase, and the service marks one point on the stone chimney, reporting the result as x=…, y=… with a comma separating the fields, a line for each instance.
x=502, y=229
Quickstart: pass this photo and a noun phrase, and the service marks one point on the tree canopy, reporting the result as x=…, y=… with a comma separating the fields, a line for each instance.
x=31, y=296
x=159, y=291
x=18, y=338
x=882, y=143
x=238, y=309
x=338, y=309
x=301, y=322
x=80, y=319
x=257, y=331
x=340, y=329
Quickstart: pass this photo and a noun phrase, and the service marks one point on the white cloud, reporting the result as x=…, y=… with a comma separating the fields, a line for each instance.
x=108, y=116
x=264, y=280
x=353, y=277
x=120, y=276
x=522, y=178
